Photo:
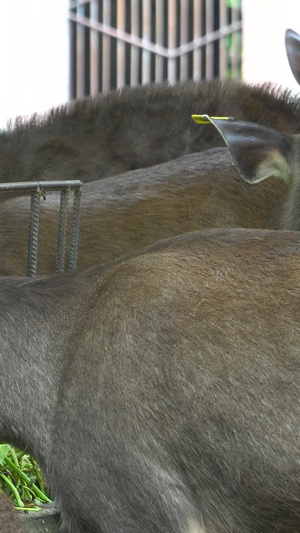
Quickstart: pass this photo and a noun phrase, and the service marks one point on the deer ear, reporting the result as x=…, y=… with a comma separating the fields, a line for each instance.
x=292, y=46
x=258, y=152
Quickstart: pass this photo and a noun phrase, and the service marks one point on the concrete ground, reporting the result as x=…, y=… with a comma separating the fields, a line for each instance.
x=45, y=521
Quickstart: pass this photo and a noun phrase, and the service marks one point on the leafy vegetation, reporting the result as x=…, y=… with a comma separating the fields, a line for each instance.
x=21, y=479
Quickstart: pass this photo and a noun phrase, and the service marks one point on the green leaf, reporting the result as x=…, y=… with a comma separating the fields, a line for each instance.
x=4, y=451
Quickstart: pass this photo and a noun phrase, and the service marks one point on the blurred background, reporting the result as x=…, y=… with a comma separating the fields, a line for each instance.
x=56, y=50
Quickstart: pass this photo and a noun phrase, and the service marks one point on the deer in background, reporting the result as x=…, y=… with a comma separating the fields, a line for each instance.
x=136, y=127
x=137, y=208
x=126, y=212
x=260, y=153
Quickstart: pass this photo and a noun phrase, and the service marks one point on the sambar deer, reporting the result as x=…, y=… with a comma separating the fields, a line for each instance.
x=160, y=392
x=260, y=153
x=96, y=137
x=137, y=208
x=9, y=521
x=126, y=212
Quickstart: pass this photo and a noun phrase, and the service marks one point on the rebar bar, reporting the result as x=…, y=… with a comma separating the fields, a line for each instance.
x=75, y=229
x=33, y=232
x=62, y=230
x=37, y=190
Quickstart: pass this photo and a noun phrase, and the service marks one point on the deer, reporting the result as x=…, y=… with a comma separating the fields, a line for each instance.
x=260, y=153
x=176, y=503
x=159, y=392
x=137, y=127
x=9, y=520
x=292, y=46
x=126, y=212
x=138, y=207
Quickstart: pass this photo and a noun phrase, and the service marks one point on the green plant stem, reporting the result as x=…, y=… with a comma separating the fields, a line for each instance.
x=39, y=475
x=14, y=457
x=30, y=509
x=41, y=496
x=13, y=488
x=26, y=492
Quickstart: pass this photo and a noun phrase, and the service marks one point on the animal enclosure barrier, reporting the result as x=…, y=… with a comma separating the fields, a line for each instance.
x=129, y=42
x=38, y=191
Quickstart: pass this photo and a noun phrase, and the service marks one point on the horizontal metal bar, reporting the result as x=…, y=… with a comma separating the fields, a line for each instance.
x=46, y=185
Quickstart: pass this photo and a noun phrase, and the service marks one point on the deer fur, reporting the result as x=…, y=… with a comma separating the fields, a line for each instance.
x=9, y=521
x=129, y=211
x=160, y=392
x=96, y=137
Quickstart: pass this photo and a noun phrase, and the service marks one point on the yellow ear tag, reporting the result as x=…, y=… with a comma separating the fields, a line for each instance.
x=204, y=119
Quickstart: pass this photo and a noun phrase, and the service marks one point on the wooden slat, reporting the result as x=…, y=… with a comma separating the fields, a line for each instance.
x=94, y=52
x=106, y=48
x=209, y=49
x=80, y=50
x=146, y=56
x=197, y=32
x=235, y=60
x=159, y=27
x=172, y=39
x=121, y=58
x=184, y=29
x=223, y=58
x=134, y=51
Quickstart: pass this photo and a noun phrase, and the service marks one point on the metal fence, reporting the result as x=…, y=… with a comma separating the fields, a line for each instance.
x=129, y=42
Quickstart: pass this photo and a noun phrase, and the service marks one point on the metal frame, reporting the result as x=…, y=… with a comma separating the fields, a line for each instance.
x=38, y=190
x=129, y=42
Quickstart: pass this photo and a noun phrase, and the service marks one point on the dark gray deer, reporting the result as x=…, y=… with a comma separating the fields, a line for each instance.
x=292, y=46
x=9, y=521
x=160, y=392
x=260, y=153
x=137, y=208
x=137, y=127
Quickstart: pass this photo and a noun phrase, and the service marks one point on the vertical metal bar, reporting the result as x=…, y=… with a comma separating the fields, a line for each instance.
x=75, y=229
x=121, y=57
x=146, y=29
x=106, y=48
x=134, y=51
x=159, y=26
x=172, y=39
x=197, y=54
x=33, y=233
x=184, y=27
x=62, y=230
x=222, y=45
x=94, y=52
x=235, y=45
x=209, y=55
x=80, y=50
